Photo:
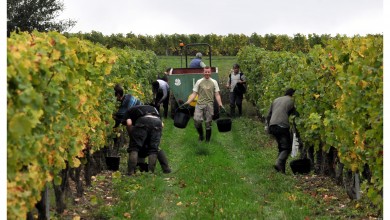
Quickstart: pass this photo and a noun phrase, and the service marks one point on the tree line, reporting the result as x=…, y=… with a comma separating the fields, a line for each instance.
x=42, y=15
x=222, y=45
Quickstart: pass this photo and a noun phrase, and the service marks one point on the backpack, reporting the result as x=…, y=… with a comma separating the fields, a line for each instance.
x=239, y=88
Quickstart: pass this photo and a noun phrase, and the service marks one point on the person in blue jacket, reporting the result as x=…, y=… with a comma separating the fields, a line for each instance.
x=197, y=61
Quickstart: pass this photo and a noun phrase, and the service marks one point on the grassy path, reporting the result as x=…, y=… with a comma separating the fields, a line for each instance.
x=229, y=178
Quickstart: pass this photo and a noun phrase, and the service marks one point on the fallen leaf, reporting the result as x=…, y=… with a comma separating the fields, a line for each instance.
x=127, y=215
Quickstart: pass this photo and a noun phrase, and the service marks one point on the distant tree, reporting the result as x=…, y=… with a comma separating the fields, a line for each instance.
x=29, y=15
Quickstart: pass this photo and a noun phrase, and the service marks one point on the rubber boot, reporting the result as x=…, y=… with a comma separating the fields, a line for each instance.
x=143, y=167
x=152, y=162
x=200, y=132
x=132, y=163
x=162, y=159
x=208, y=135
x=232, y=110
x=280, y=165
x=239, y=110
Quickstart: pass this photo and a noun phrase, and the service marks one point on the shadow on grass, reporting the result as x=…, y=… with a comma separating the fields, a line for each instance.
x=202, y=149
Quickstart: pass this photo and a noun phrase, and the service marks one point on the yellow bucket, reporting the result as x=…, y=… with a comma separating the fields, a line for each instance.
x=193, y=103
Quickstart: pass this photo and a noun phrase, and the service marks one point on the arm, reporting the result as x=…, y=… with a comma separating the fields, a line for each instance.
x=191, y=97
x=268, y=118
x=129, y=124
x=229, y=81
x=243, y=79
x=165, y=94
x=218, y=98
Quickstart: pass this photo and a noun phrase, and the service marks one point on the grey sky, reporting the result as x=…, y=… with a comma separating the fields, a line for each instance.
x=153, y=17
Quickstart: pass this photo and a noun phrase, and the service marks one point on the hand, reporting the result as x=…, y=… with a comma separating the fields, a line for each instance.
x=186, y=104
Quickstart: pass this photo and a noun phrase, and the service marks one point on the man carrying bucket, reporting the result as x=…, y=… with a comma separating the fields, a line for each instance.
x=206, y=89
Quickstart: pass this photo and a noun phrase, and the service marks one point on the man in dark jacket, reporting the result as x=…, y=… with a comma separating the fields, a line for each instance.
x=160, y=89
x=144, y=127
x=128, y=101
x=279, y=126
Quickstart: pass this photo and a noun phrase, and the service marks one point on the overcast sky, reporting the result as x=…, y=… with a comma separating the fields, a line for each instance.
x=222, y=17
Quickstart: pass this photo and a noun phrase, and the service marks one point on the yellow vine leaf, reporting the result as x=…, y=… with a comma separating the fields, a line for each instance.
x=339, y=84
x=56, y=54
x=83, y=100
x=363, y=84
x=76, y=162
x=108, y=70
x=100, y=58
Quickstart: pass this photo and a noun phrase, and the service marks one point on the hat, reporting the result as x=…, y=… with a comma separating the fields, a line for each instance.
x=199, y=55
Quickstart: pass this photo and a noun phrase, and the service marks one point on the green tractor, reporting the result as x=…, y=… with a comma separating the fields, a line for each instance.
x=182, y=80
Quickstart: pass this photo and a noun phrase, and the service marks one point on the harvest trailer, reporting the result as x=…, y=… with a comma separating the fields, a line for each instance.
x=182, y=80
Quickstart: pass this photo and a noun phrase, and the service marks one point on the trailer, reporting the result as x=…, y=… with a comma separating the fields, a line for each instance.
x=182, y=80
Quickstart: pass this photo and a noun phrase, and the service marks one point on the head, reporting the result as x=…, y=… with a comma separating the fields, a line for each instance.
x=199, y=55
x=207, y=72
x=118, y=92
x=165, y=78
x=155, y=86
x=168, y=70
x=236, y=68
x=290, y=92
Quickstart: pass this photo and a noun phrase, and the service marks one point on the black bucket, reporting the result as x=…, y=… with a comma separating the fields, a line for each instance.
x=181, y=118
x=224, y=124
x=301, y=166
x=113, y=163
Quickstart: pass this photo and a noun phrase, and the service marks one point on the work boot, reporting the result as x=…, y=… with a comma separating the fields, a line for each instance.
x=208, y=135
x=162, y=159
x=239, y=110
x=132, y=162
x=280, y=165
x=232, y=110
x=200, y=132
x=152, y=162
x=143, y=167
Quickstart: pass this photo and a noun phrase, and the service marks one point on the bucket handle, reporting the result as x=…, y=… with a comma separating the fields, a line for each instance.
x=183, y=106
x=223, y=110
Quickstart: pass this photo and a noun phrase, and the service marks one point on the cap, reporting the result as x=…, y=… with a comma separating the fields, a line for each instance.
x=199, y=55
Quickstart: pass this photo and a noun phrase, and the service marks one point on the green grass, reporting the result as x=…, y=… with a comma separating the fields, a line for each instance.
x=229, y=178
